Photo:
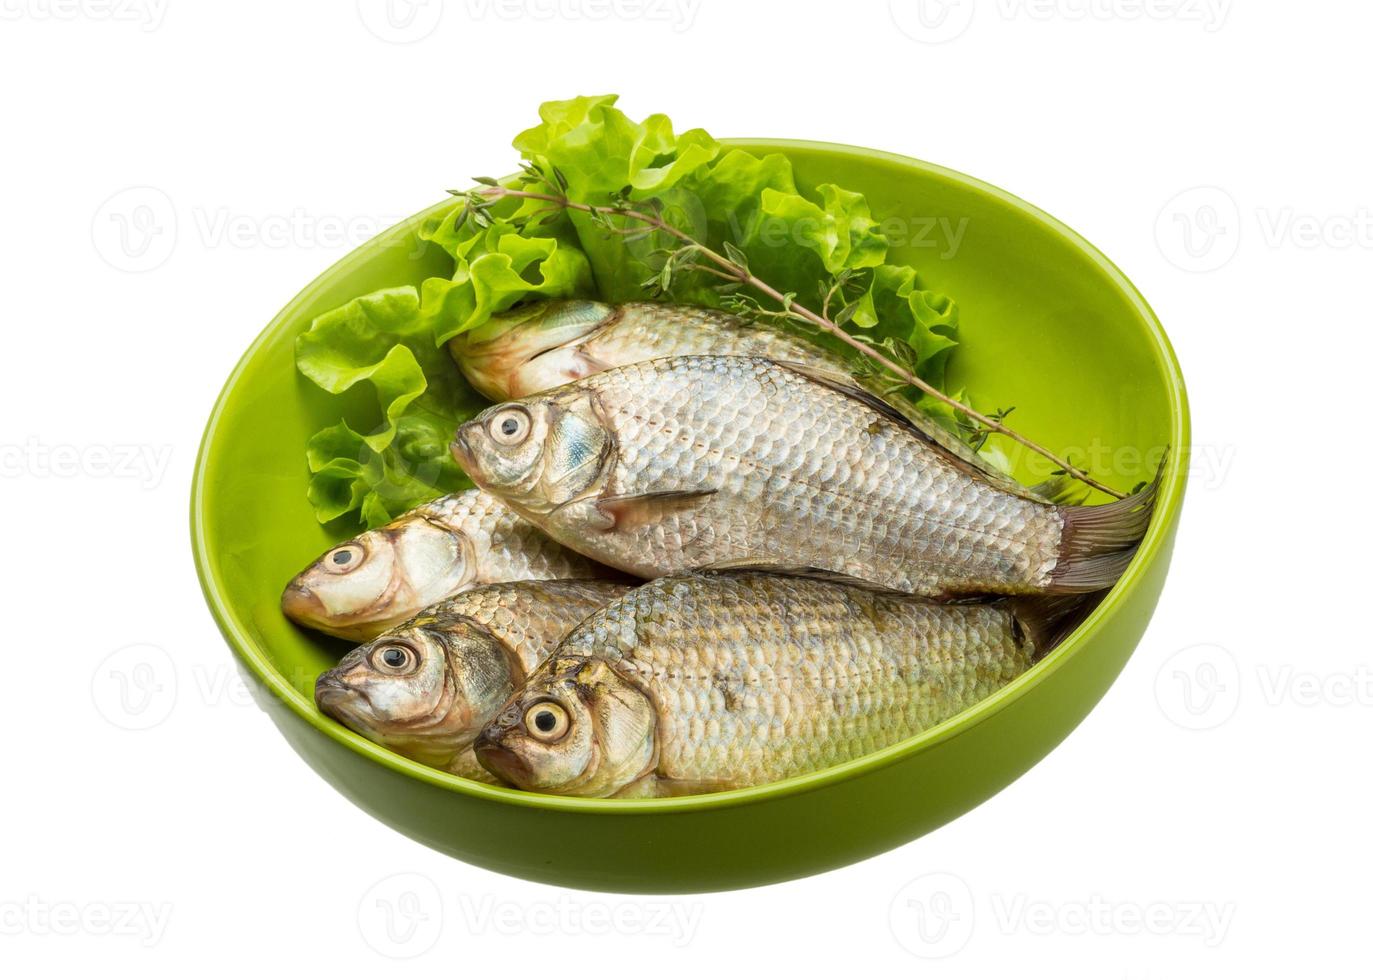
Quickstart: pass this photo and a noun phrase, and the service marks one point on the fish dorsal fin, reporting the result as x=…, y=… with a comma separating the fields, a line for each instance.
x=959, y=455
x=844, y=384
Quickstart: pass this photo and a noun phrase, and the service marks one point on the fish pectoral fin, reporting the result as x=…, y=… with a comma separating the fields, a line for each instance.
x=629, y=511
x=586, y=365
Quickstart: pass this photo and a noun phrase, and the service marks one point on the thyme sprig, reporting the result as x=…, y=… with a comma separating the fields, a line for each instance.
x=639, y=218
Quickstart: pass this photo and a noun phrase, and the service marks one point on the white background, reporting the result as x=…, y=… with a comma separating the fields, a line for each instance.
x=1210, y=816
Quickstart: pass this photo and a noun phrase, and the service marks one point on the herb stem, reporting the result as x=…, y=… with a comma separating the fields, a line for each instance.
x=739, y=273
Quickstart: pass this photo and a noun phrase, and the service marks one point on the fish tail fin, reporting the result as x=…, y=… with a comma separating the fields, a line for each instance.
x=1099, y=541
x=1048, y=619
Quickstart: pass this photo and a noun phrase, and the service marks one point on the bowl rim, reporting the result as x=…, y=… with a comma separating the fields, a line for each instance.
x=1167, y=505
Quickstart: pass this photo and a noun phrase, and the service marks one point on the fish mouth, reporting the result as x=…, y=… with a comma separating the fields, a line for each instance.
x=301, y=605
x=461, y=448
x=334, y=697
x=500, y=761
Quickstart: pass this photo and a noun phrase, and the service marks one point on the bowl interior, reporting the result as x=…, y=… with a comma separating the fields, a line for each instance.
x=1048, y=326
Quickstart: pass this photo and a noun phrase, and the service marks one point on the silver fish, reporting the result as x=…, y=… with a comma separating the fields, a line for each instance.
x=426, y=688
x=554, y=342
x=550, y=343
x=711, y=462
x=380, y=578
x=716, y=682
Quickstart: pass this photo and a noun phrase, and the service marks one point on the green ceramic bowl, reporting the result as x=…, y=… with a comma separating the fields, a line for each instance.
x=1048, y=325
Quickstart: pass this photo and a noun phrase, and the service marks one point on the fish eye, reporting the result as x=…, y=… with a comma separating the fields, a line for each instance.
x=510, y=426
x=345, y=558
x=394, y=659
x=547, y=721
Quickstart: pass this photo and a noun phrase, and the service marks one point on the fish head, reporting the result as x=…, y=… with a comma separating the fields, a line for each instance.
x=379, y=579
x=539, y=452
x=577, y=728
x=530, y=348
x=424, y=690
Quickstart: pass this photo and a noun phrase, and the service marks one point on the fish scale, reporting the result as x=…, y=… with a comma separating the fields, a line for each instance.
x=513, y=549
x=470, y=652
x=528, y=617
x=786, y=453
x=843, y=672
x=456, y=542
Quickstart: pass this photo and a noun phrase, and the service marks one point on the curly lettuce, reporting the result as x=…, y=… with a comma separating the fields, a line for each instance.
x=383, y=340
x=393, y=341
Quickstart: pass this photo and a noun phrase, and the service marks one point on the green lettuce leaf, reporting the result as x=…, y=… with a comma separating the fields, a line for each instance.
x=796, y=238
x=383, y=339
